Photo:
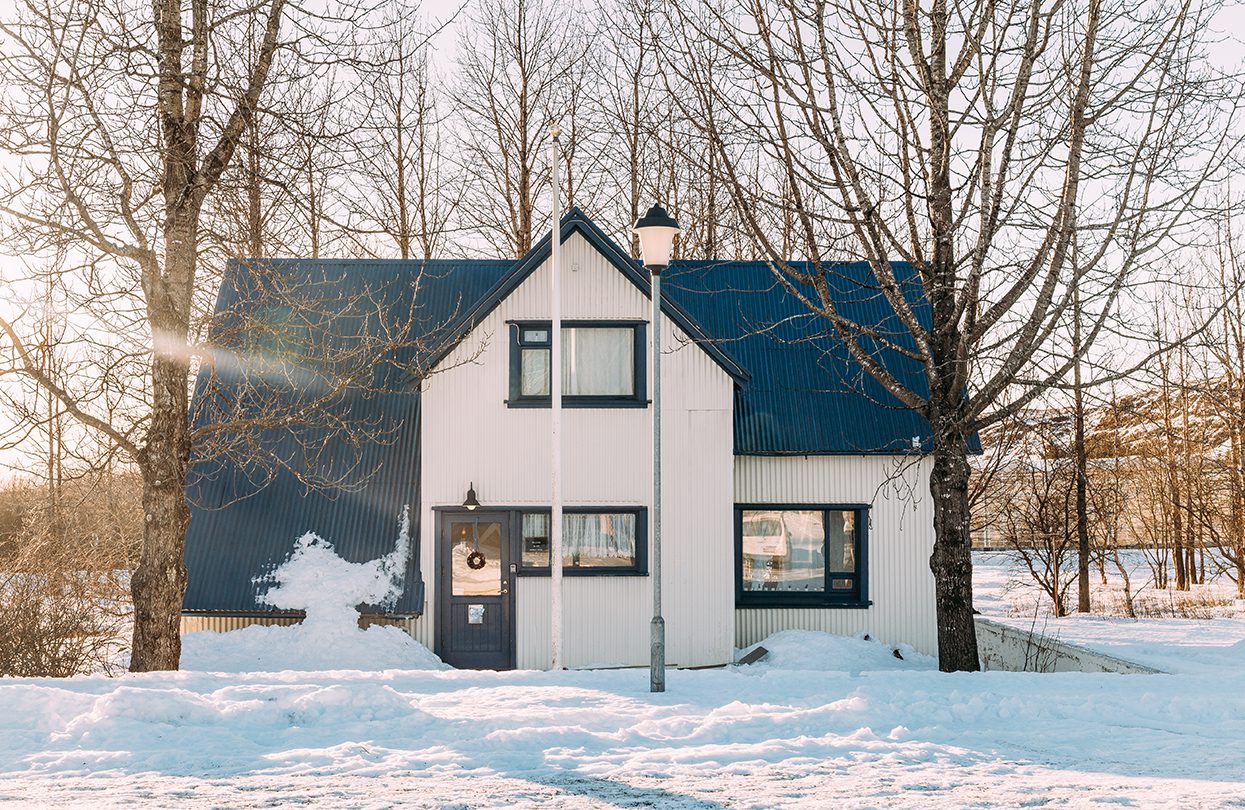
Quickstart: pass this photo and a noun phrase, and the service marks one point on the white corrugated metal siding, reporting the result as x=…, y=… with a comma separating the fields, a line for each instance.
x=469, y=435
x=901, y=586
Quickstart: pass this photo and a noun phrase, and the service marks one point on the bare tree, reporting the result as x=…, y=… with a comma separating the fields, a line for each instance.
x=1081, y=461
x=959, y=148
x=1205, y=449
x=404, y=189
x=515, y=82
x=1229, y=351
x=1110, y=496
x=627, y=111
x=63, y=576
x=125, y=120
x=1038, y=526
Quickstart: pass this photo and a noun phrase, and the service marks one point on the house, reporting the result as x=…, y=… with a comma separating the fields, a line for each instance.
x=794, y=487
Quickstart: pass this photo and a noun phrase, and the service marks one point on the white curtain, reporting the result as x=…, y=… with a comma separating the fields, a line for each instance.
x=598, y=361
x=599, y=536
x=534, y=379
x=585, y=537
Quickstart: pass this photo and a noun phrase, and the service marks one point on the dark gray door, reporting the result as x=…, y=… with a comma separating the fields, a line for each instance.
x=475, y=602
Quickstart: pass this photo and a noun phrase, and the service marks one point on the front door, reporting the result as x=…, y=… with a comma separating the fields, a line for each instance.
x=474, y=603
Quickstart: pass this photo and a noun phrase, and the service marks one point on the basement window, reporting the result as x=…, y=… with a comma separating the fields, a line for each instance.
x=602, y=364
x=801, y=556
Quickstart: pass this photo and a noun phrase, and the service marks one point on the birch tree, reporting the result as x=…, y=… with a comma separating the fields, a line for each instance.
x=124, y=118
x=960, y=146
x=405, y=189
x=518, y=60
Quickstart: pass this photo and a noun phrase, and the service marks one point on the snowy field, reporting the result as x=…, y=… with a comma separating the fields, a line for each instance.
x=825, y=722
x=1210, y=645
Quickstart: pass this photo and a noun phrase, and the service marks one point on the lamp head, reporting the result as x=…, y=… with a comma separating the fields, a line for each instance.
x=656, y=230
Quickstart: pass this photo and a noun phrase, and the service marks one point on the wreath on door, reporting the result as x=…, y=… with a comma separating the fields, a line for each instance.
x=475, y=560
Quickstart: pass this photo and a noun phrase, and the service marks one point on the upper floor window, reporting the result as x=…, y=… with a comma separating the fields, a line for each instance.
x=602, y=364
x=800, y=555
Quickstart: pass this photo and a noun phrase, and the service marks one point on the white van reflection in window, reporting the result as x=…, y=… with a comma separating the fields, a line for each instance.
x=784, y=550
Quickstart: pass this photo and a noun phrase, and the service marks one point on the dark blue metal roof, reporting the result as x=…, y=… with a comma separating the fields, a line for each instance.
x=245, y=519
x=806, y=395
x=797, y=392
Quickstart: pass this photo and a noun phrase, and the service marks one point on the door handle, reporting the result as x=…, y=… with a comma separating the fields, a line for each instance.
x=505, y=591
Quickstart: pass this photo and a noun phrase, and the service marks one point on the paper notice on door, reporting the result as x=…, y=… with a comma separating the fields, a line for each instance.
x=475, y=614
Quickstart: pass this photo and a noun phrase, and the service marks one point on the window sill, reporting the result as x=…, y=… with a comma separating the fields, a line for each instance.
x=582, y=572
x=580, y=402
x=771, y=604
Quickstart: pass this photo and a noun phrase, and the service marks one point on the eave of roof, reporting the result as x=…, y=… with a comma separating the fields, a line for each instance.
x=576, y=221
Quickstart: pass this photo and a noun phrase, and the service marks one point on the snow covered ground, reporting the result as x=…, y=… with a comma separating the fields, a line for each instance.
x=1177, y=645
x=824, y=722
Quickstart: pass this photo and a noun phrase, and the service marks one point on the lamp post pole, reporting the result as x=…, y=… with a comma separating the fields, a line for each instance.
x=656, y=230
x=657, y=653
x=555, y=406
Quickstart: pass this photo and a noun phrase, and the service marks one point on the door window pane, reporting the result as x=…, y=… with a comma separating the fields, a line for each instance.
x=471, y=575
x=783, y=550
x=589, y=540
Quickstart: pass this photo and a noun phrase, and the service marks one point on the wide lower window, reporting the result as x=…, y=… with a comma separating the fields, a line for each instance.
x=797, y=555
x=592, y=541
x=602, y=364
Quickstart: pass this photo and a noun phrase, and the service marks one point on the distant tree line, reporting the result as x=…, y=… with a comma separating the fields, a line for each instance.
x=1161, y=459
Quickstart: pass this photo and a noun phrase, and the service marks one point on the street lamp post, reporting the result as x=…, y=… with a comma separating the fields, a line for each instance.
x=656, y=230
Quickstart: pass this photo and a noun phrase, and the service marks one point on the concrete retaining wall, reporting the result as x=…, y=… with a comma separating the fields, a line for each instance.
x=1006, y=648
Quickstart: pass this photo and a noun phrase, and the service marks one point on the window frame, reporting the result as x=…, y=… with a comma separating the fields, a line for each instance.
x=858, y=597
x=638, y=399
x=637, y=569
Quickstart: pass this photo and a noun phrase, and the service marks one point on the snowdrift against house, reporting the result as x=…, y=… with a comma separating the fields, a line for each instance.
x=812, y=650
x=329, y=589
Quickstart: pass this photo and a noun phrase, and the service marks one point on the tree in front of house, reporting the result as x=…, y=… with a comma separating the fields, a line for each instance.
x=127, y=123
x=1014, y=155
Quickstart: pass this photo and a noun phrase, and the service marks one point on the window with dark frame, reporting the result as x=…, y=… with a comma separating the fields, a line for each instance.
x=603, y=364
x=795, y=555
x=594, y=541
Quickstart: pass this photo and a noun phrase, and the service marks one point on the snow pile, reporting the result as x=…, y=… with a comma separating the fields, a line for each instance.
x=756, y=736
x=329, y=589
x=275, y=649
x=812, y=650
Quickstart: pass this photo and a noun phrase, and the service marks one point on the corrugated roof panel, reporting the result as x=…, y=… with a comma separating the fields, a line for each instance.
x=238, y=534
x=234, y=539
x=806, y=396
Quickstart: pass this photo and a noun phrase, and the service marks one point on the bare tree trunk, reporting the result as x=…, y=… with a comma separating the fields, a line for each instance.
x=1082, y=464
x=1129, y=610
x=159, y=582
x=951, y=561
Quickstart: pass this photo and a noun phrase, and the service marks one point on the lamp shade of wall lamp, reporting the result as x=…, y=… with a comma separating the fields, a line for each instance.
x=471, y=503
x=656, y=230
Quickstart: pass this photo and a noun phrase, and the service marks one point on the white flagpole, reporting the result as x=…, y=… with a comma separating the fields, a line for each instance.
x=555, y=405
